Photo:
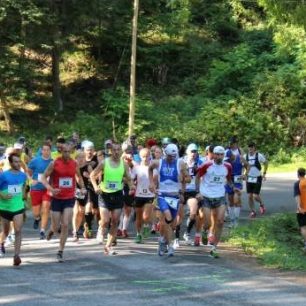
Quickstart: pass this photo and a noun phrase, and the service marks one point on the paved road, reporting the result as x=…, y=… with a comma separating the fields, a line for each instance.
x=137, y=276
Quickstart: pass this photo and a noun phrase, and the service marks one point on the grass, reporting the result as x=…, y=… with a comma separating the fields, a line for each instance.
x=288, y=167
x=274, y=240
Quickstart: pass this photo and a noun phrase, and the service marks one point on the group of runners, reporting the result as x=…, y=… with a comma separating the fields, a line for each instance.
x=158, y=183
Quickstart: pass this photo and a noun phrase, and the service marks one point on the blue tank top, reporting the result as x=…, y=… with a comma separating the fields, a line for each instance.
x=236, y=166
x=168, y=177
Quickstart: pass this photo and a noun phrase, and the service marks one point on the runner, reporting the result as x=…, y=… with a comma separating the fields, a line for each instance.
x=212, y=193
x=143, y=197
x=234, y=194
x=255, y=178
x=40, y=197
x=63, y=173
x=12, y=196
x=114, y=170
x=128, y=198
x=193, y=162
x=172, y=172
x=92, y=203
x=299, y=192
x=80, y=198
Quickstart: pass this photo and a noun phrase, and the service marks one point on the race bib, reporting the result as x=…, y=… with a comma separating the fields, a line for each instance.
x=144, y=191
x=112, y=185
x=252, y=179
x=216, y=179
x=238, y=179
x=14, y=189
x=65, y=182
x=172, y=202
x=39, y=176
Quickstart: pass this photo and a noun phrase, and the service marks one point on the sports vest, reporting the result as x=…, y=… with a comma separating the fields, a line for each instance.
x=112, y=177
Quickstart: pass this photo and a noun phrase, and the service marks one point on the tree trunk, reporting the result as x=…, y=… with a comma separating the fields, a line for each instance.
x=6, y=114
x=56, y=55
x=133, y=68
x=56, y=83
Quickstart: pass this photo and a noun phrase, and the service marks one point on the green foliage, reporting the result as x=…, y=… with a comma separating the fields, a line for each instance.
x=275, y=241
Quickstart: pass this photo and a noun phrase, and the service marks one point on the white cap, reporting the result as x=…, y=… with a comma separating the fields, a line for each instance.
x=192, y=147
x=219, y=150
x=171, y=149
x=18, y=146
x=87, y=144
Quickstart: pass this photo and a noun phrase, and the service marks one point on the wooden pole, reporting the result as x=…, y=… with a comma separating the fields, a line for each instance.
x=133, y=68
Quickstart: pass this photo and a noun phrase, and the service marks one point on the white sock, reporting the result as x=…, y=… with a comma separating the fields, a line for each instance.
x=237, y=212
x=232, y=213
x=125, y=223
x=121, y=221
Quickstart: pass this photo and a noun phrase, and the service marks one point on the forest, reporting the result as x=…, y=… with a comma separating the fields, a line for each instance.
x=206, y=70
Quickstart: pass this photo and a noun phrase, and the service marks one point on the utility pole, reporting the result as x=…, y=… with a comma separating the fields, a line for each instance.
x=133, y=68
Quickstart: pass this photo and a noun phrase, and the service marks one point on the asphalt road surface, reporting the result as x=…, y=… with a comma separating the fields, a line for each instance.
x=137, y=276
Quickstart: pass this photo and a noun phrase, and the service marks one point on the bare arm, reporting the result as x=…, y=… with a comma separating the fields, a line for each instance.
x=44, y=180
x=94, y=174
x=154, y=165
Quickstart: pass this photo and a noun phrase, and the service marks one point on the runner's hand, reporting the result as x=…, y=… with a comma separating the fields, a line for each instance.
x=152, y=188
x=8, y=196
x=98, y=190
x=55, y=191
x=83, y=191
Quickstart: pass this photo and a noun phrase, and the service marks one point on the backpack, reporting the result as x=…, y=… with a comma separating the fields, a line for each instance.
x=257, y=163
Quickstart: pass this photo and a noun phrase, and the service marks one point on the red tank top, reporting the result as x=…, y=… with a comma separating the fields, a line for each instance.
x=63, y=177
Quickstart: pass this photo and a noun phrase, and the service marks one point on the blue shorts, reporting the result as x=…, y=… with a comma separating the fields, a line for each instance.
x=168, y=203
x=230, y=190
x=60, y=205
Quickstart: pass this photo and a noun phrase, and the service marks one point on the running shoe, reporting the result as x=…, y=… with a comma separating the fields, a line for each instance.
x=119, y=233
x=2, y=250
x=59, y=256
x=262, y=209
x=36, y=223
x=114, y=243
x=197, y=240
x=211, y=239
x=125, y=234
x=170, y=251
x=187, y=239
x=100, y=237
x=50, y=235
x=75, y=237
x=16, y=261
x=252, y=214
x=213, y=253
x=10, y=240
x=42, y=235
x=176, y=243
x=138, y=238
x=109, y=251
x=162, y=247
x=204, y=238
x=146, y=232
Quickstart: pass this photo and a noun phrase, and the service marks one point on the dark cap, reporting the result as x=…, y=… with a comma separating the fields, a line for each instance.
x=21, y=139
x=133, y=137
x=233, y=140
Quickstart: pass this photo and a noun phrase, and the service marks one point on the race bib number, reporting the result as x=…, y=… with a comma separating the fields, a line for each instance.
x=252, y=179
x=65, y=182
x=237, y=179
x=172, y=202
x=14, y=189
x=39, y=176
x=112, y=185
x=217, y=179
x=144, y=191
